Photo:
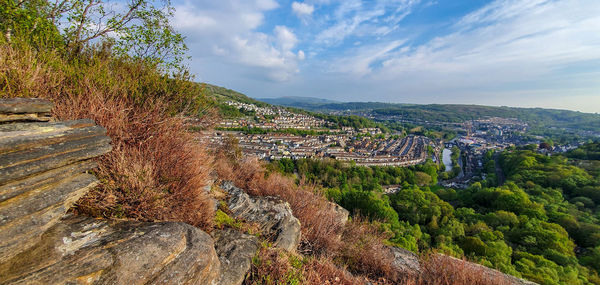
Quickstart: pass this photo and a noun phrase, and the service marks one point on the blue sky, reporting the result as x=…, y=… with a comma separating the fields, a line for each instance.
x=543, y=53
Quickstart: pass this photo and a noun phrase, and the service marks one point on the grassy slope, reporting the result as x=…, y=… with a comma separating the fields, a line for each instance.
x=222, y=94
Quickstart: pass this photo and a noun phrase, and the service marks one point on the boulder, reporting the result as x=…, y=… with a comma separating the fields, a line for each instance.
x=341, y=213
x=274, y=216
x=85, y=250
x=235, y=250
x=42, y=173
x=405, y=260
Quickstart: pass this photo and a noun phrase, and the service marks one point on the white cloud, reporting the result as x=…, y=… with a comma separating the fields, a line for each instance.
x=507, y=52
x=506, y=47
x=369, y=18
x=302, y=9
x=228, y=30
x=511, y=37
x=285, y=38
x=363, y=59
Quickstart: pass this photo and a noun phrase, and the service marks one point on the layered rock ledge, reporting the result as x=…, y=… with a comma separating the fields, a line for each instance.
x=85, y=250
x=273, y=215
x=43, y=169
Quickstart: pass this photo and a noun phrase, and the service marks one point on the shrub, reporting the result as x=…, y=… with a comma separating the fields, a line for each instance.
x=445, y=270
x=321, y=226
x=365, y=253
x=275, y=266
x=156, y=170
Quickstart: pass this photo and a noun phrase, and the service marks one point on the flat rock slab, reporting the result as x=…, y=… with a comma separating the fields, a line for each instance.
x=24, y=218
x=274, y=216
x=81, y=250
x=235, y=250
x=25, y=109
x=25, y=105
x=42, y=174
x=30, y=149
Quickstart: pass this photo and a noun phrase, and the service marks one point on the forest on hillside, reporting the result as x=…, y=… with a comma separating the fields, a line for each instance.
x=543, y=224
x=538, y=118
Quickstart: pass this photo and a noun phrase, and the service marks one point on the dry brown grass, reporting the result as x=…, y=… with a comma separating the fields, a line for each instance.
x=444, y=270
x=321, y=227
x=275, y=266
x=155, y=171
x=357, y=244
x=365, y=253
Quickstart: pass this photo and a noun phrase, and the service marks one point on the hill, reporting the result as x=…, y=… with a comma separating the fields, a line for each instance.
x=222, y=94
x=298, y=102
x=455, y=113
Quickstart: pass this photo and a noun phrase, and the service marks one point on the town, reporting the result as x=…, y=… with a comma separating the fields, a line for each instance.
x=273, y=132
x=365, y=146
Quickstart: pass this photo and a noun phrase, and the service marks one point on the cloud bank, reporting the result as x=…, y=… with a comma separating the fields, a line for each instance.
x=511, y=52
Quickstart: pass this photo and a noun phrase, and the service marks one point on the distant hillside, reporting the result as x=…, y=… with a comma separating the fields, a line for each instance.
x=222, y=94
x=542, y=120
x=536, y=117
x=298, y=102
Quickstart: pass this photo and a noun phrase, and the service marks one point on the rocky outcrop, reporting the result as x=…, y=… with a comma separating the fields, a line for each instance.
x=277, y=223
x=341, y=213
x=25, y=109
x=409, y=263
x=43, y=169
x=235, y=250
x=85, y=250
x=405, y=260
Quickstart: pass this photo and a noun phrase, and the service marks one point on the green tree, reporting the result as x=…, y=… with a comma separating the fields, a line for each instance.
x=137, y=28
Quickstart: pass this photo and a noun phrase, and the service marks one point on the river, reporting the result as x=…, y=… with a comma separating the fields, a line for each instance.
x=446, y=159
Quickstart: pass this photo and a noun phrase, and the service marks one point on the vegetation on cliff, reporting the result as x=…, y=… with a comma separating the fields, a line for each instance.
x=127, y=76
x=155, y=171
x=542, y=224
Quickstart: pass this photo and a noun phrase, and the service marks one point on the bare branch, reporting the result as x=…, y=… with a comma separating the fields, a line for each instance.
x=82, y=21
x=58, y=9
x=117, y=25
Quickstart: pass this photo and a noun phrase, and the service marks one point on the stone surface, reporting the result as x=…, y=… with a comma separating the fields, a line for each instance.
x=25, y=109
x=42, y=172
x=25, y=117
x=341, y=213
x=405, y=260
x=29, y=152
x=274, y=216
x=23, y=219
x=25, y=105
x=235, y=251
x=81, y=250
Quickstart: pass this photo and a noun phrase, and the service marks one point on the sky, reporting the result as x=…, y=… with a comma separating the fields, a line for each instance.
x=524, y=53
